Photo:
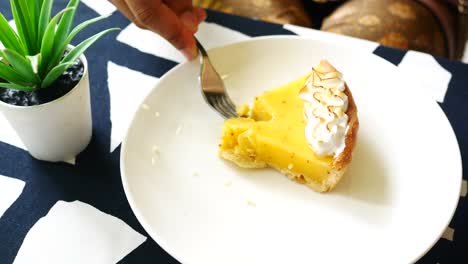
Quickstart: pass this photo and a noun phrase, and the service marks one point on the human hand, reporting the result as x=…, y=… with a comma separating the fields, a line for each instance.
x=175, y=20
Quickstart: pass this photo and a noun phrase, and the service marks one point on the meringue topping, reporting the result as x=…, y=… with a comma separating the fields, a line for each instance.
x=325, y=106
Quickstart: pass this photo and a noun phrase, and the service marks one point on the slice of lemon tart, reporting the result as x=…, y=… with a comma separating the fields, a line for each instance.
x=306, y=130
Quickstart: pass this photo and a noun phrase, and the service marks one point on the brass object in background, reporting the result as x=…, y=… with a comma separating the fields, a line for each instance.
x=276, y=11
x=404, y=24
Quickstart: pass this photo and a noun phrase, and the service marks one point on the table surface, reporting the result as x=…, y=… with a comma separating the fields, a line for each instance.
x=77, y=212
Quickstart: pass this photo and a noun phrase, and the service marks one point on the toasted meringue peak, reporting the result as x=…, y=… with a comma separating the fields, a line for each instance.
x=325, y=106
x=325, y=67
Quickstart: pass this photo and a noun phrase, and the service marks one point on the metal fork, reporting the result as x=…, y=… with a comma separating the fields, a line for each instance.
x=212, y=86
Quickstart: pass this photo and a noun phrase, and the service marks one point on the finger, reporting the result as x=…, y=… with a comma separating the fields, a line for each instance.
x=185, y=10
x=156, y=16
x=192, y=19
x=200, y=13
x=123, y=8
x=179, y=6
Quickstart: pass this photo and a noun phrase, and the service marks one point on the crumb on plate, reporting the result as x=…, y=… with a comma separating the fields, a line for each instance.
x=145, y=107
x=250, y=203
x=178, y=130
x=156, y=150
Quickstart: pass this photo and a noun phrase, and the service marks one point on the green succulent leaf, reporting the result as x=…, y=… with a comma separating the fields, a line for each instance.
x=40, y=3
x=63, y=29
x=47, y=46
x=27, y=14
x=66, y=22
x=8, y=36
x=21, y=65
x=80, y=27
x=81, y=48
x=9, y=74
x=74, y=32
x=31, y=13
x=37, y=5
x=55, y=73
x=34, y=53
x=44, y=19
x=16, y=87
x=21, y=26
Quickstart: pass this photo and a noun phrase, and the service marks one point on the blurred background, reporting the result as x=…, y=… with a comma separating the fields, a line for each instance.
x=438, y=27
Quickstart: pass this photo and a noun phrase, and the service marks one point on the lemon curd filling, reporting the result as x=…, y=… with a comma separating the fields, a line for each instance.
x=273, y=133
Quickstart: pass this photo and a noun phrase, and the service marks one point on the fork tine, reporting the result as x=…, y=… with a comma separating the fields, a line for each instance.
x=224, y=101
x=229, y=105
x=220, y=106
x=216, y=101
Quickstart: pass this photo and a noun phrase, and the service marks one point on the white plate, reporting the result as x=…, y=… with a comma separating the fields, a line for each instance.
x=391, y=207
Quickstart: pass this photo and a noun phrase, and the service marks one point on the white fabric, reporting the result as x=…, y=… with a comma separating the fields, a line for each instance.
x=102, y=7
x=71, y=161
x=78, y=233
x=10, y=190
x=148, y=42
x=464, y=188
x=212, y=35
x=448, y=234
x=127, y=89
x=426, y=71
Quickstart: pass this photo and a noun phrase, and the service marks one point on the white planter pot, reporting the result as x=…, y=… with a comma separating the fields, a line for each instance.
x=58, y=130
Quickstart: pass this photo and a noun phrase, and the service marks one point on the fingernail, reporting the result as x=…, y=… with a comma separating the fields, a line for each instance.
x=190, y=53
x=189, y=21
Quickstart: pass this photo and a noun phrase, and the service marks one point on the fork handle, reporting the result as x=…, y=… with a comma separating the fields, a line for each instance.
x=201, y=48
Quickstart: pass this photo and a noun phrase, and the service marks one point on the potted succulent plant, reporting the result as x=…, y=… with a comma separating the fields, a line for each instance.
x=44, y=83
